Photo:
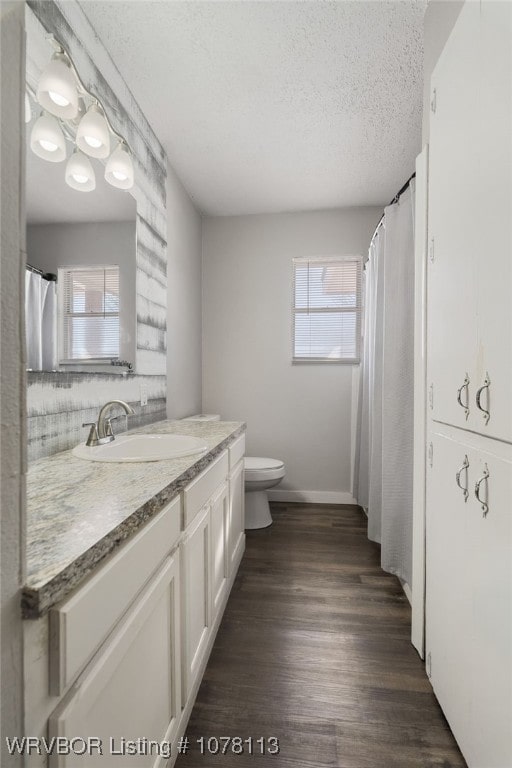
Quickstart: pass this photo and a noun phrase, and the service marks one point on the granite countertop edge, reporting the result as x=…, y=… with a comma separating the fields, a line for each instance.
x=37, y=601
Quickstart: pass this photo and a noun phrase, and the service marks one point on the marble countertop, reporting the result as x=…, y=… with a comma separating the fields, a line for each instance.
x=79, y=511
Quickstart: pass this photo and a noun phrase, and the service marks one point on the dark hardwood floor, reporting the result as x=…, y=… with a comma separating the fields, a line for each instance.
x=314, y=650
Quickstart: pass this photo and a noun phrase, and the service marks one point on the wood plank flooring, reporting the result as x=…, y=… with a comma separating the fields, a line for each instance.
x=314, y=649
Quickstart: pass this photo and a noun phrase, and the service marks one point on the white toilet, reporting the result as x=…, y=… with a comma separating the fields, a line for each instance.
x=260, y=474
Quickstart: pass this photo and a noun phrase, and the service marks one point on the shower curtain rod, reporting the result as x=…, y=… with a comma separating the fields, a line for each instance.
x=393, y=201
x=50, y=276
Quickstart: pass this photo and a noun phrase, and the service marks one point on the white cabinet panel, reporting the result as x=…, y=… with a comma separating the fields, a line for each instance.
x=236, y=451
x=236, y=540
x=494, y=231
x=448, y=584
x=196, y=597
x=469, y=593
x=219, y=521
x=79, y=625
x=197, y=493
x=453, y=205
x=470, y=226
x=491, y=659
x=132, y=688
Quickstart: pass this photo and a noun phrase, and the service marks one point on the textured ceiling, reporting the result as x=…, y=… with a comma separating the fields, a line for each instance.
x=275, y=106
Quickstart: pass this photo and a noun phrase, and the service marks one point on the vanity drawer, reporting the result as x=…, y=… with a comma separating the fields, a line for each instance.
x=197, y=493
x=79, y=625
x=236, y=451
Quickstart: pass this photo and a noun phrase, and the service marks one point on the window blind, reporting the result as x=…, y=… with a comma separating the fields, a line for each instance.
x=89, y=313
x=327, y=310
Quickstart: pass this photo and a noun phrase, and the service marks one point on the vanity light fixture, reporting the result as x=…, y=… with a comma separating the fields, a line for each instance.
x=119, y=168
x=80, y=173
x=57, y=88
x=92, y=135
x=61, y=92
x=47, y=140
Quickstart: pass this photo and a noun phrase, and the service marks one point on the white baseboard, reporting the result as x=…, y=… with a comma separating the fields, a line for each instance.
x=311, y=497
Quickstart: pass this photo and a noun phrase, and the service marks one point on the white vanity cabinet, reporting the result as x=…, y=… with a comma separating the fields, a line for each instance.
x=212, y=547
x=127, y=649
x=132, y=687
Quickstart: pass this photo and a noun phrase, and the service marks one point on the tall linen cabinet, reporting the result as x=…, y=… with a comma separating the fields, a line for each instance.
x=469, y=382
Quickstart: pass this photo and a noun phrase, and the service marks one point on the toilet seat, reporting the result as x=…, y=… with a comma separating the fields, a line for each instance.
x=262, y=469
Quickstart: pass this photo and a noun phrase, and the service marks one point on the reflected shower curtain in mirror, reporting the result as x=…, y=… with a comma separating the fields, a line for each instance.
x=40, y=322
x=384, y=454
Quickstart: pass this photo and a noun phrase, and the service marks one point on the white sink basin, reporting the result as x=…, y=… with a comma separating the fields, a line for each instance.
x=142, y=448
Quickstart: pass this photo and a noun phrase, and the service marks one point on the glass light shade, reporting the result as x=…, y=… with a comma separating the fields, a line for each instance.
x=28, y=111
x=119, y=168
x=80, y=173
x=92, y=135
x=47, y=140
x=56, y=90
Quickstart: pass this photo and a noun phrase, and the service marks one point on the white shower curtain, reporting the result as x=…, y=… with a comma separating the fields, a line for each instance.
x=384, y=469
x=40, y=322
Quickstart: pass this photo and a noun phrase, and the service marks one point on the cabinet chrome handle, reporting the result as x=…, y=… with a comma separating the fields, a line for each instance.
x=485, y=411
x=465, y=385
x=464, y=489
x=485, y=476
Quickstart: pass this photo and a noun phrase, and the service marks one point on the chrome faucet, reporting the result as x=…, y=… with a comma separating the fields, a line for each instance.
x=101, y=432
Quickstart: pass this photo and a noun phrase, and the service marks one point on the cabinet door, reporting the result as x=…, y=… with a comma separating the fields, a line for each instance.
x=470, y=227
x=469, y=594
x=491, y=659
x=494, y=223
x=453, y=213
x=131, y=688
x=449, y=566
x=236, y=515
x=219, y=513
x=196, y=597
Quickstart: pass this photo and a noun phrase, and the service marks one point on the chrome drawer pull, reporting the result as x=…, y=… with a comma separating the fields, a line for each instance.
x=485, y=411
x=465, y=466
x=485, y=476
x=465, y=405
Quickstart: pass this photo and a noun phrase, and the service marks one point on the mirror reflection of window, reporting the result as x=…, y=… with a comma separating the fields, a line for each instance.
x=88, y=317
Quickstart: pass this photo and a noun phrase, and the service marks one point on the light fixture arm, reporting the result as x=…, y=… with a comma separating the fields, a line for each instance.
x=82, y=90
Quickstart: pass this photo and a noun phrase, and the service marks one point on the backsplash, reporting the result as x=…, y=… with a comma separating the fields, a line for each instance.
x=59, y=403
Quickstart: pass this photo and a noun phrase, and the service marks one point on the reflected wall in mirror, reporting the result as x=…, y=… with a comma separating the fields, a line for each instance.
x=68, y=228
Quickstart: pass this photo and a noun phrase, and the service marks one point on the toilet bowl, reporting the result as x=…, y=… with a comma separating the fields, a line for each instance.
x=260, y=475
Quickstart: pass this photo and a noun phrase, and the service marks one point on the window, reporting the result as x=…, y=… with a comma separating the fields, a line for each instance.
x=88, y=313
x=327, y=310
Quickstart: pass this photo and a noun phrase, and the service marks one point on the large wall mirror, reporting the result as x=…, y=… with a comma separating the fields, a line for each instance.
x=86, y=319
x=106, y=227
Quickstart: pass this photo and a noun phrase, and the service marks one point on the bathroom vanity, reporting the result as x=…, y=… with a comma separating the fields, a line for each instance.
x=129, y=570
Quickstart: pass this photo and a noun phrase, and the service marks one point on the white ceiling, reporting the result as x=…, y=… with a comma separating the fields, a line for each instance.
x=275, y=106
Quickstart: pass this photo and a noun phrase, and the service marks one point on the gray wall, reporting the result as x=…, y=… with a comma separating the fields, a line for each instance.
x=184, y=243
x=50, y=246
x=303, y=413
x=12, y=377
